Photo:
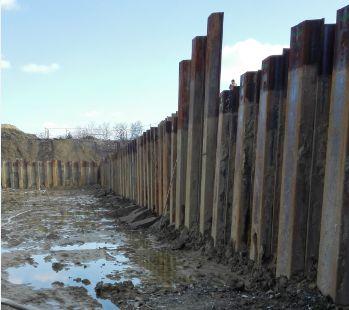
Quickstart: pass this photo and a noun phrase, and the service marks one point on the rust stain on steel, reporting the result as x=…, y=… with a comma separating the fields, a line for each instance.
x=230, y=100
x=306, y=42
x=305, y=63
x=245, y=160
x=173, y=174
x=196, y=110
x=213, y=63
x=144, y=153
x=333, y=271
x=154, y=168
x=168, y=126
x=166, y=169
x=271, y=99
x=182, y=139
x=184, y=94
x=328, y=49
x=342, y=46
x=148, y=168
x=175, y=123
x=210, y=123
x=224, y=170
x=320, y=135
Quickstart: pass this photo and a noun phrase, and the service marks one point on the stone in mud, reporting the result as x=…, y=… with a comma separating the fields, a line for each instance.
x=124, y=211
x=114, y=276
x=77, y=280
x=104, y=290
x=86, y=281
x=136, y=215
x=30, y=261
x=57, y=284
x=57, y=266
x=145, y=223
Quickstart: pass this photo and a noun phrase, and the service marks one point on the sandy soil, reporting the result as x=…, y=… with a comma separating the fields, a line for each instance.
x=68, y=249
x=16, y=144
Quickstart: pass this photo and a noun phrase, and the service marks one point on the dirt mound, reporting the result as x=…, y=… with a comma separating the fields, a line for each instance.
x=16, y=144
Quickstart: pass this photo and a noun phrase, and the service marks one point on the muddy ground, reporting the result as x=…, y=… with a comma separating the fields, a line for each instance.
x=76, y=249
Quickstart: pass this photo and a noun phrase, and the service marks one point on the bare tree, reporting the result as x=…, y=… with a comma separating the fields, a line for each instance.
x=91, y=128
x=68, y=135
x=105, y=131
x=136, y=129
x=120, y=131
x=79, y=133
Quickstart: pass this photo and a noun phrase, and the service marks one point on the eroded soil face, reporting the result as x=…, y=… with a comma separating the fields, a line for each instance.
x=65, y=249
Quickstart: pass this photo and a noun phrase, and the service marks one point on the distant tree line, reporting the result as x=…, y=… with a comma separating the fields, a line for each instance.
x=104, y=131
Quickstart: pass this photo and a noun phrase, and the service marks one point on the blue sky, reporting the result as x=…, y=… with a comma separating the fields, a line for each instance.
x=69, y=63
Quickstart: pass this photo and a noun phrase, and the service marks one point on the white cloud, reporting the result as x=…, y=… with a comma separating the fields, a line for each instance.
x=44, y=69
x=9, y=4
x=4, y=64
x=245, y=56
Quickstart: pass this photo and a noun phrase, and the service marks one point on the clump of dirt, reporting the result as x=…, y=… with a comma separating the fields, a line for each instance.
x=86, y=281
x=124, y=294
x=107, y=289
x=57, y=284
x=57, y=266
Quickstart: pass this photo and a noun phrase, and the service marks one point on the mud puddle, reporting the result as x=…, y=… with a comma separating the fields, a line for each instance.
x=64, y=249
x=44, y=271
x=54, y=243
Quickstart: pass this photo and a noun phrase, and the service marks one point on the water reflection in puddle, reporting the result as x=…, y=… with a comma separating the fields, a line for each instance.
x=158, y=266
x=76, y=229
x=87, y=246
x=40, y=274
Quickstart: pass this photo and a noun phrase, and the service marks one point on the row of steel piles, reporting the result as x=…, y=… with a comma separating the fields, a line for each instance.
x=119, y=170
x=297, y=214
x=23, y=174
x=152, y=168
x=261, y=168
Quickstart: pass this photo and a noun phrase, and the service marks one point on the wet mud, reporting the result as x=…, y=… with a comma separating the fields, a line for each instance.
x=68, y=249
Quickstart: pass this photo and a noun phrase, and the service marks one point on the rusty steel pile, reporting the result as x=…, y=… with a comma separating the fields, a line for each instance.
x=262, y=167
x=23, y=174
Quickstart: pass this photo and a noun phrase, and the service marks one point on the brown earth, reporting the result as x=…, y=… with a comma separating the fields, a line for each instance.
x=16, y=144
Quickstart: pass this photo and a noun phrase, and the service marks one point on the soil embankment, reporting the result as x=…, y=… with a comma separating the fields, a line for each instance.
x=16, y=144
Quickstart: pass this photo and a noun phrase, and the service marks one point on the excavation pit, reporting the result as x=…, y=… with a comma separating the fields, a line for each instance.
x=72, y=249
